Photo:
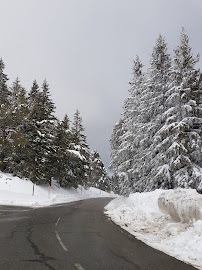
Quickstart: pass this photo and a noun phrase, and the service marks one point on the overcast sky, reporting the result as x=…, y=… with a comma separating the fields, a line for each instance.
x=85, y=48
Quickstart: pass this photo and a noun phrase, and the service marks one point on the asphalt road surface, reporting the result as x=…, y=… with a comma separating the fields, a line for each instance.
x=74, y=236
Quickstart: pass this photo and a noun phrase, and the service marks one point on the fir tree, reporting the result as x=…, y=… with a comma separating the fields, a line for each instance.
x=126, y=133
x=117, y=157
x=80, y=145
x=39, y=132
x=115, y=143
x=98, y=175
x=46, y=127
x=33, y=143
x=61, y=143
x=115, y=186
x=48, y=106
x=17, y=139
x=157, y=84
x=34, y=149
x=96, y=167
x=4, y=91
x=78, y=138
x=181, y=134
x=157, y=143
x=4, y=116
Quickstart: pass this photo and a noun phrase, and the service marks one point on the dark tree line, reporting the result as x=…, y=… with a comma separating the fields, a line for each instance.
x=34, y=144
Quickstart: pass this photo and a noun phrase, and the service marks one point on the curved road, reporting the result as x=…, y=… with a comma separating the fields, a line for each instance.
x=74, y=236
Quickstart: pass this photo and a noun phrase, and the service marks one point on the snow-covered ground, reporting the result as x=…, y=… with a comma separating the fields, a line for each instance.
x=170, y=221
x=15, y=191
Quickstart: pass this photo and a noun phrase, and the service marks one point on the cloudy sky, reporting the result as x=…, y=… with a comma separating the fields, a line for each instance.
x=85, y=48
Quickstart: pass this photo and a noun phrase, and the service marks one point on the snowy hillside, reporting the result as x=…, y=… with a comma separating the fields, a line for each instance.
x=170, y=221
x=15, y=191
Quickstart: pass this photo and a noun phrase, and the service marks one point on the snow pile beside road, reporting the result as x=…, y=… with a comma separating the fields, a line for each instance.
x=16, y=191
x=182, y=205
x=170, y=221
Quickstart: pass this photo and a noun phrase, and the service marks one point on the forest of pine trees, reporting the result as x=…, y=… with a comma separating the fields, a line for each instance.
x=35, y=145
x=157, y=143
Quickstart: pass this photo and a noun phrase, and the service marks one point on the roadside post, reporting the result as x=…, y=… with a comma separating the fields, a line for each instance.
x=33, y=189
x=49, y=186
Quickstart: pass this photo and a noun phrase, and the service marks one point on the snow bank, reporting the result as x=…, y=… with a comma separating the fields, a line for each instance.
x=15, y=191
x=182, y=205
x=170, y=221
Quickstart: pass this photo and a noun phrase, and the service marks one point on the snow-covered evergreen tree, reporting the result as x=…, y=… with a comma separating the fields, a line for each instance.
x=115, y=143
x=64, y=159
x=33, y=143
x=152, y=108
x=96, y=167
x=4, y=116
x=46, y=127
x=115, y=187
x=98, y=176
x=78, y=137
x=39, y=133
x=4, y=91
x=80, y=147
x=157, y=142
x=18, y=110
x=117, y=157
x=126, y=133
x=180, y=136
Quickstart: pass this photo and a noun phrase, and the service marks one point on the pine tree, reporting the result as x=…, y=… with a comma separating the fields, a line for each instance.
x=39, y=131
x=18, y=108
x=134, y=125
x=4, y=116
x=181, y=133
x=96, y=167
x=117, y=158
x=150, y=92
x=34, y=150
x=126, y=134
x=33, y=143
x=98, y=176
x=104, y=183
x=48, y=106
x=81, y=147
x=157, y=143
x=115, y=186
x=115, y=143
x=62, y=156
x=4, y=91
x=46, y=127
x=156, y=86
x=78, y=138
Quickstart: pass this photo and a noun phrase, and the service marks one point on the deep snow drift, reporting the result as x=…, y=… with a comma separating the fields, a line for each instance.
x=15, y=191
x=170, y=221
